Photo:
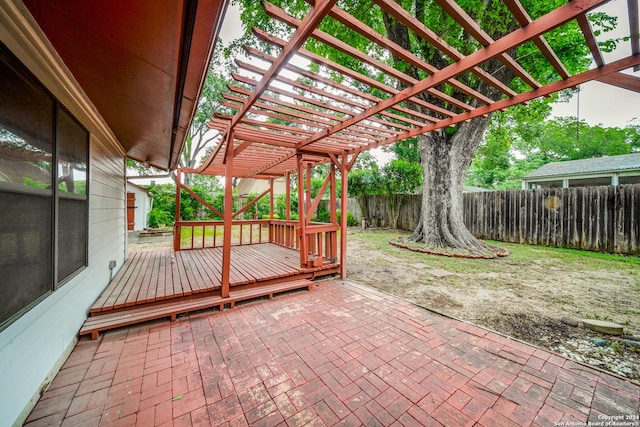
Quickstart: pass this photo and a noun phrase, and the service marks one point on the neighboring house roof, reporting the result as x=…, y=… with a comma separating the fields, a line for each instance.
x=620, y=163
x=472, y=189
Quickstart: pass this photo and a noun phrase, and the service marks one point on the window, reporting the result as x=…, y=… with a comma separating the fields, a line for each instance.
x=588, y=182
x=72, y=142
x=625, y=180
x=545, y=184
x=43, y=227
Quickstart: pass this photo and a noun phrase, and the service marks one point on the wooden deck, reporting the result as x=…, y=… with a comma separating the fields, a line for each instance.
x=156, y=276
x=160, y=284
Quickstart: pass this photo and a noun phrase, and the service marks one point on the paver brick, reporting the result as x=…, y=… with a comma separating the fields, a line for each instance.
x=385, y=363
x=449, y=416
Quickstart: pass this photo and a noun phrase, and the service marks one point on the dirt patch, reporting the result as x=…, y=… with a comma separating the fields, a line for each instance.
x=533, y=328
x=523, y=295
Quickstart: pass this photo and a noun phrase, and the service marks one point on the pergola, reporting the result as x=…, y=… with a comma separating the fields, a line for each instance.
x=292, y=118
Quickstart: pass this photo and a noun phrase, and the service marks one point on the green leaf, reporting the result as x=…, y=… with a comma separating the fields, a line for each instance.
x=177, y=398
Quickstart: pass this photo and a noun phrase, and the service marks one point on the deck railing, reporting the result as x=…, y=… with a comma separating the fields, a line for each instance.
x=321, y=238
x=210, y=234
x=322, y=243
x=284, y=233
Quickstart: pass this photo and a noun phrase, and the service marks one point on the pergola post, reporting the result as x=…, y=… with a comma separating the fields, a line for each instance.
x=332, y=211
x=287, y=197
x=176, y=225
x=301, y=215
x=271, y=198
x=307, y=200
x=272, y=230
x=228, y=214
x=344, y=170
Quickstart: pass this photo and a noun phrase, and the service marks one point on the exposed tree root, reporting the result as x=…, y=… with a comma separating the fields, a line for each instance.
x=491, y=252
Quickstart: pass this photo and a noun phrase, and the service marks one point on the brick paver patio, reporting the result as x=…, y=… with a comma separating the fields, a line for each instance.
x=342, y=354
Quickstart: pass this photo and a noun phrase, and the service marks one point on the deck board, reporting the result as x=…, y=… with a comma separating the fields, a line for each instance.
x=155, y=276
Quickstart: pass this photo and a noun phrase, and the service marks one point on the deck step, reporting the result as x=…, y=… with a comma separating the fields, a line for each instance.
x=104, y=322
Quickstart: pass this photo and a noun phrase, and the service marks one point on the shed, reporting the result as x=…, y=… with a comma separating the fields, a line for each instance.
x=139, y=205
x=609, y=170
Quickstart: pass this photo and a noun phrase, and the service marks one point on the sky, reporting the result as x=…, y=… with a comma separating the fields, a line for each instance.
x=599, y=103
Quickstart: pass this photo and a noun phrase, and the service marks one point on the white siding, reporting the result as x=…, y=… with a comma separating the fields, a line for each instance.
x=35, y=345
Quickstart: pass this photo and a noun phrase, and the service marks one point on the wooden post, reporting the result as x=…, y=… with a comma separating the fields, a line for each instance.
x=307, y=200
x=333, y=241
x=333, y=208
x=176, y=225
x=310, y=244
x=271, y=198
x=287, y=211
x=272, y=235
x=287, y=197
x=343, y=217
x=301, y=219
x=228, y=214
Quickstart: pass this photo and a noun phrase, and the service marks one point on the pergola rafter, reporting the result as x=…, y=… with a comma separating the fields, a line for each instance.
x=340, y=86
x=340, y=69
x=375, y=63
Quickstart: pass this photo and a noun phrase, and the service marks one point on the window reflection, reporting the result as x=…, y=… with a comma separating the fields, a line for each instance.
x=72, y=155
x=23, y=163
x=26, y=124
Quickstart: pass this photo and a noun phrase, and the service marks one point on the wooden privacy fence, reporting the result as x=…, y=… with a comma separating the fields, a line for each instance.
x=605, y=219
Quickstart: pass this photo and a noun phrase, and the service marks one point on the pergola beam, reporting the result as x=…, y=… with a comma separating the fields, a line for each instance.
x=621, y=80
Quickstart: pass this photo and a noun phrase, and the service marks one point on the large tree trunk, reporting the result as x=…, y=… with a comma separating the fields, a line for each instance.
x=446, y=154
x=445, y=159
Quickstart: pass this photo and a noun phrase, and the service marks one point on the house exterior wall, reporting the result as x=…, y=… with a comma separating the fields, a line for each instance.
x=33, y=347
